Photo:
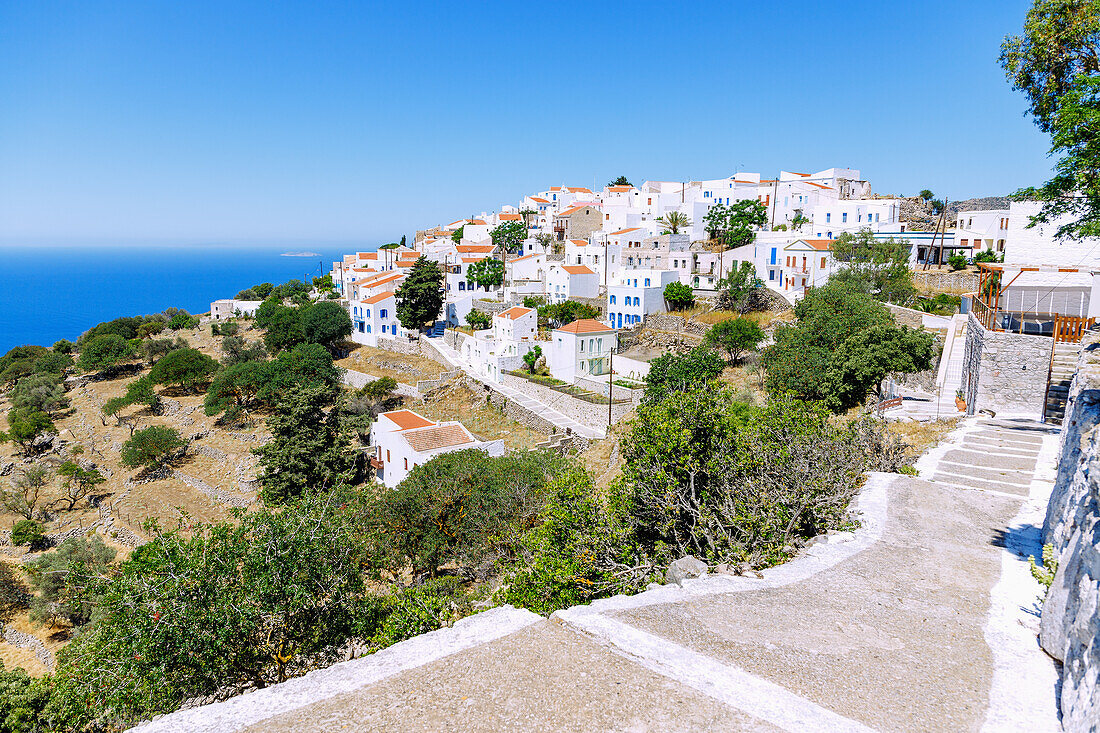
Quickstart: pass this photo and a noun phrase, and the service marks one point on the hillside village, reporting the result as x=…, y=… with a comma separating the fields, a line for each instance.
x=515, y=377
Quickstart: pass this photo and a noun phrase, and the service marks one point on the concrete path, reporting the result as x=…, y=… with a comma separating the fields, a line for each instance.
x=920, y=620
x=546, y=412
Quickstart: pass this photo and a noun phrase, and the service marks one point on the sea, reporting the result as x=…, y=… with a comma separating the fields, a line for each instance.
x=53, y=292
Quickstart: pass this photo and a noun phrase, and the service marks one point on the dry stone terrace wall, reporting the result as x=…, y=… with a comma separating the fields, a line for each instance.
x=586, y=413
x=955, y=283
x=1070, y=627
x=1005, y=372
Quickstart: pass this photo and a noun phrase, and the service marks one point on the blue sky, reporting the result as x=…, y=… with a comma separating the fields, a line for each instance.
x=332, y=122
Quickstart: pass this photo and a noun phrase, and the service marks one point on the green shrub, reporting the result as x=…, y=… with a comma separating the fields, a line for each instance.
x=679, y=296
x=26, y=532
x=419, y=609
x=152, y=446
x=460, y=507
x=478, y=320
x=957, y=261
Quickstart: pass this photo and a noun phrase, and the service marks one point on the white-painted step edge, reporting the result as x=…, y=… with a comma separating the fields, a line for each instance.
x=250, y=708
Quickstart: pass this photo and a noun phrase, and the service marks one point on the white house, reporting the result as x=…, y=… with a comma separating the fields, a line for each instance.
x=403, y=440
x=373, y=318
x=634, y=294
x=517, y=324
x=570, y=281
x=981, y=230
x=231, y=307
x=581, y=349
x=807, y=263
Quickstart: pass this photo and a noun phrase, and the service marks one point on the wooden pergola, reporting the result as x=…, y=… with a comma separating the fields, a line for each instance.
x=990, y=313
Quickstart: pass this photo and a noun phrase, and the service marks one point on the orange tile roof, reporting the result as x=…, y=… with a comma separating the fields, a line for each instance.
x=577, y=189
x=577, y=270
x=624, y=231
x=521, y=259
x=509, y=217
x=539, y=200
x=619, y=189
x=820, y=244
x=515, y=312
x=408, y=420
x=367, y=255
x=827, y=188
x=437, y=436
x=406, y=263
x=378, y=298
x=586, y=325
x=468, y=260
x=476, y=222
x=572, y=210
x=804, y=175
x=580, y=242
x=468, y=248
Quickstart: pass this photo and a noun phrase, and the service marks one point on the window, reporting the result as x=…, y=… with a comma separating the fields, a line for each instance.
x=649, y=201
x=383, y=328
x=771, y=276
x=828, y=217
x=647, y=282
x=869, y=217
x=462, y=285
x=965, y=242
x=830, y=235
x=823, y=262
x=368, y=328
x=406, y=464
x=582, y=346
x=773, y=255
x=844, y=217
x=361, y=327
x=612, y=300
x=382, y=313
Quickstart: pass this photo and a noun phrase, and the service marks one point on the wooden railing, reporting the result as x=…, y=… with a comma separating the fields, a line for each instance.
x=1067, y=329
x=1070, y=329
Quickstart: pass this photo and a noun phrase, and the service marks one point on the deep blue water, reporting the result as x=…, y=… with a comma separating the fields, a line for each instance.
x=48, y=293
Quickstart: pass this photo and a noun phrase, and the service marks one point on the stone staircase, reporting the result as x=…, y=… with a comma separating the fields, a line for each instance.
x=1061, y=374
x=437, y=329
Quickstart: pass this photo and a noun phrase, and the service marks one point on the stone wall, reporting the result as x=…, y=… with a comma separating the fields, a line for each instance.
x=1070, y=626
x=955, y=283
x=400, y=345
x=1005, y=372
x=675, y=324
x=586, y=413
x=906, y=316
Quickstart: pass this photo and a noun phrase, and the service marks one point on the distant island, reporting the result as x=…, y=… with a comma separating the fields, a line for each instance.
x=300, y=254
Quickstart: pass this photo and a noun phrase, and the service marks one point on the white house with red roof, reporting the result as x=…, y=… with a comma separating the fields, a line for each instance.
x=807, y=263
x=374, y=318
x=492, y=352
x=581, y=349
x=565, y=282
x=401, y=440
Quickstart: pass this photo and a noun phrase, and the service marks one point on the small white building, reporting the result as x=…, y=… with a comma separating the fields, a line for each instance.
x=402, y=440
x=982, y=230
x=581, y=349
x=564, y=282
x=807, y=263
x=634, y=294
x=373, y=318
x=517, y=324
x=231, y=308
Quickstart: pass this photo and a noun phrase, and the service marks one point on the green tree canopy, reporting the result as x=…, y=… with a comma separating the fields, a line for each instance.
x=487, y=272
x=152, y=447
x=735, y=336
x=306, y=365
x=40, y=393
x=679, y=296
x=102, y=353
x=620, y=181
x=479, y=319
x=878, y=267
x=67, y=580
x=1055, y=63
x=673, y=373
x=25, y=426
x=567, y=311
x=187, y=369
x=326, y=324
x=509, y=235
x=866, y=357
x=282, y=326
x=308, y=451
x=420, y=297
x=735, y=225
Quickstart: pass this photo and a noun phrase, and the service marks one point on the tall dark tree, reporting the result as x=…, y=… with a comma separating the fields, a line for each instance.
x=308, y=451
x=420, y=297
x=620, y=181
x=326, y=324
x=509, y=235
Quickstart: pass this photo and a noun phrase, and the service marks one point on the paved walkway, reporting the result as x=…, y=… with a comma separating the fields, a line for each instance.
x=546, y=412
x=922, y=619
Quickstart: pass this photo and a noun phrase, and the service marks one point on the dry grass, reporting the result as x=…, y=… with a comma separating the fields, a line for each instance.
x=744, y=379
x=715, y=317
x=407, y=368
x=460, y=403
x=922, y=435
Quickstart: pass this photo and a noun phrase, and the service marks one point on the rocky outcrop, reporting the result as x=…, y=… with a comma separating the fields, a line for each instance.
x=1070, y=627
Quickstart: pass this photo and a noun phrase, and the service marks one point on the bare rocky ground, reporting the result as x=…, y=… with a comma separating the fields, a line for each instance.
x=922, y=619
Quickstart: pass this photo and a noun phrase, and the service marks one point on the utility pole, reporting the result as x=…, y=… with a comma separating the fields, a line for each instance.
x=610, y=384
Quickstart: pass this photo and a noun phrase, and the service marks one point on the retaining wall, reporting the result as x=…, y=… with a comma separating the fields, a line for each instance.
x=586, y=413
x=1070, y=626
x=1005, y=372
x=955, y=283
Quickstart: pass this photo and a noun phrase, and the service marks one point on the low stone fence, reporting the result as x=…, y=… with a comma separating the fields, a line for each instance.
x=1070, y=625
x=955, y=283
x=520, y=414
x=915, y=318
x=586, y=413
x=675, y=324
x=492, y=307
x=618, y=392
x=424, y=385
x=356, y=379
